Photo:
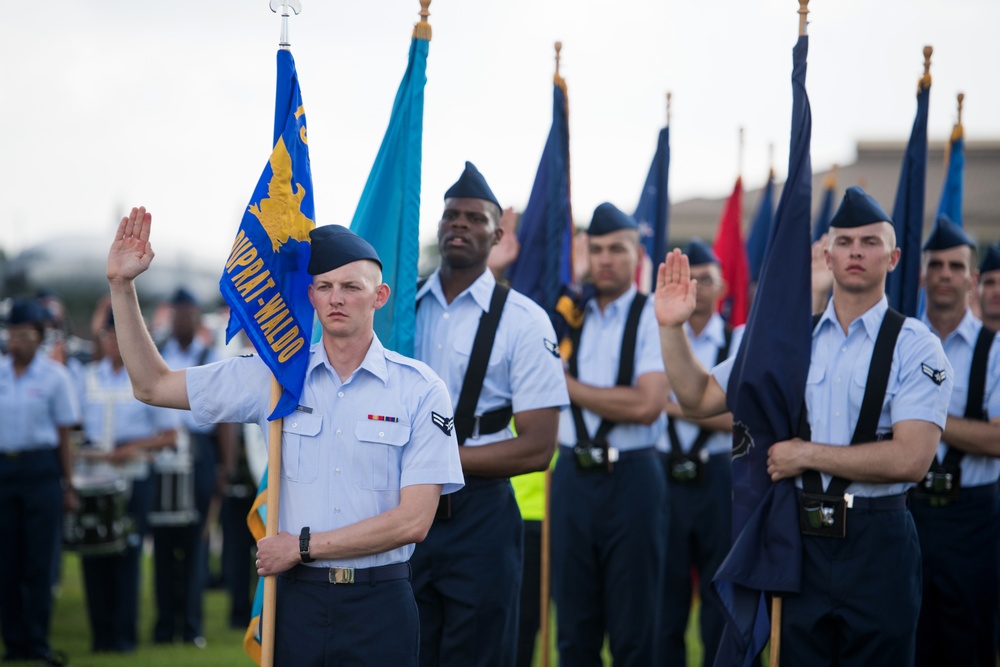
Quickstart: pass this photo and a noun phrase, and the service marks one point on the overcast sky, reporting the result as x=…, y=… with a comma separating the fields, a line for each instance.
x=169, y=104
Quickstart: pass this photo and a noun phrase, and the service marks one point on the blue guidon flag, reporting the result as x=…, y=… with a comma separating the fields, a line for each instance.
x=265, y=281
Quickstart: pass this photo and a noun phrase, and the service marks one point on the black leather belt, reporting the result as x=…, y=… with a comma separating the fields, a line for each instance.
x=965, y=493
x=627, y=455
x=25, y=454
x=879, y=503
x=349, y=575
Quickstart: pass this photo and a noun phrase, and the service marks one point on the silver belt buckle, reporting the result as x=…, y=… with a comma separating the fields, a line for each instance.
x=341, y=575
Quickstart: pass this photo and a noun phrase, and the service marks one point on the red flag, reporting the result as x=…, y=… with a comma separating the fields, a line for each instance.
x=732, y=254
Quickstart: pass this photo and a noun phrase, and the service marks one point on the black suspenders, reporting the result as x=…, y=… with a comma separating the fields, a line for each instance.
x=475, y=373
x=871, y=405
x=626, y=366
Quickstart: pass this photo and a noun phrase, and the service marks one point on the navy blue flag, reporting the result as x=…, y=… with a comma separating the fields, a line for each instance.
x=903, y=284
x=653, y=211
x=766, y=394
x=545, y=264
x=761, y=229
x=822, y=224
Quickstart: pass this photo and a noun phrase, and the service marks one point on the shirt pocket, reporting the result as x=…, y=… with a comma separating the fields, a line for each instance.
x=300, y=446
x=378, y=453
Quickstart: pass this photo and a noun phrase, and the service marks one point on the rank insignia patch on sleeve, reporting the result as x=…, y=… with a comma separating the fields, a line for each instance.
x=446, y=424
x=552, y=347
x=937, y=376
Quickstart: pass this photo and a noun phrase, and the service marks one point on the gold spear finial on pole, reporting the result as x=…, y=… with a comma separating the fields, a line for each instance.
x=925, y=80
x=558, y=49
x=285, y=5
x=558, y=78
x=803, y=13
x=422, y=30
x=669, y=94
x=770, y=160
x=961, y=101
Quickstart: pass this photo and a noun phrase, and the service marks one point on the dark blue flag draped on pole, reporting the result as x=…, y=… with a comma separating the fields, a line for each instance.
x=951, y=194
x=766, y=393
x=760, y=229
x=265, y=281
x=822, y=224
x=388, y=215
x=903, y=284
x=544, y=264
x=653, y=211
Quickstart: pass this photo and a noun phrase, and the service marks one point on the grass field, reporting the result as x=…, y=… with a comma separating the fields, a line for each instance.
x=71, y=632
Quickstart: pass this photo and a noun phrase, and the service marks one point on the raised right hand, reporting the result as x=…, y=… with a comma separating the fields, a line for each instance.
x=674, y=299
x=131, y=252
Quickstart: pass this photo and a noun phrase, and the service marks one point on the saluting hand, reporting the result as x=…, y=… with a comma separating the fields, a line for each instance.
x=131, y=252
x=674, y=299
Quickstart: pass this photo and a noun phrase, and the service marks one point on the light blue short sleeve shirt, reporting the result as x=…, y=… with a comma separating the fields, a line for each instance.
x=34, y=405
x=919, y=388
x=349, y=447
x=706, y=348
x=524, y=369
x=959, y=345
x=597, y=365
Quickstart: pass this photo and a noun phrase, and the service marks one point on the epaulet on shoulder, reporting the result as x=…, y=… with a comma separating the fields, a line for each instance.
x=418, y=366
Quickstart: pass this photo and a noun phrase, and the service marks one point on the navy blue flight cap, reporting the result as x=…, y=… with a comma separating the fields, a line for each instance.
x=698, y=252
x=946, y=234
x=991, y=259
x=471, y=185
x=25, y=311
x=858, y=209
x=183, y=297
x=333, y=246
x=607, y=218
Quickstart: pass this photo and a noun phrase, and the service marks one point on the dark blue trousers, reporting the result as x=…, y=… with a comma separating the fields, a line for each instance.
x=467, y=579
x=345, y=625
x=111, y=582
x=31, y=526
x=959, y=546
x=608, y=544
x=699, y=535
x=529, y=617
x=238, y=570
x=180, y=556
x=860, y=596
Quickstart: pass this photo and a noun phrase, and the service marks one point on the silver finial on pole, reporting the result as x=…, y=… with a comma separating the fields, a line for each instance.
x=285, y=5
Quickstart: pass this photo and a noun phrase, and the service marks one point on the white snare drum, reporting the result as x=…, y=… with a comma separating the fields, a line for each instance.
x=173, y=491
x=102, y=526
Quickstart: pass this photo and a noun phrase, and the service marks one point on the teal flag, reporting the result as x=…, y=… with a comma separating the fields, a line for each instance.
x=951, y=194
x=388, y=215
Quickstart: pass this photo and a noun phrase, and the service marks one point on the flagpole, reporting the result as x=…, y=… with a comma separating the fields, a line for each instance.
x=546, y=546
x=274, y=436
x=739, y=159
x=669, y=94
x=271, y=528
x=775, y=650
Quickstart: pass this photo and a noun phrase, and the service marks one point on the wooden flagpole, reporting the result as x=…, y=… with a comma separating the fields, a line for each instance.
x=775, y=650
x=274, y=437
x=271, y=528
x=546, y=561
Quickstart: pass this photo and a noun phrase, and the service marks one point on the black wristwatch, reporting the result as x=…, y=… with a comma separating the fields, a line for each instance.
x=304, y=546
